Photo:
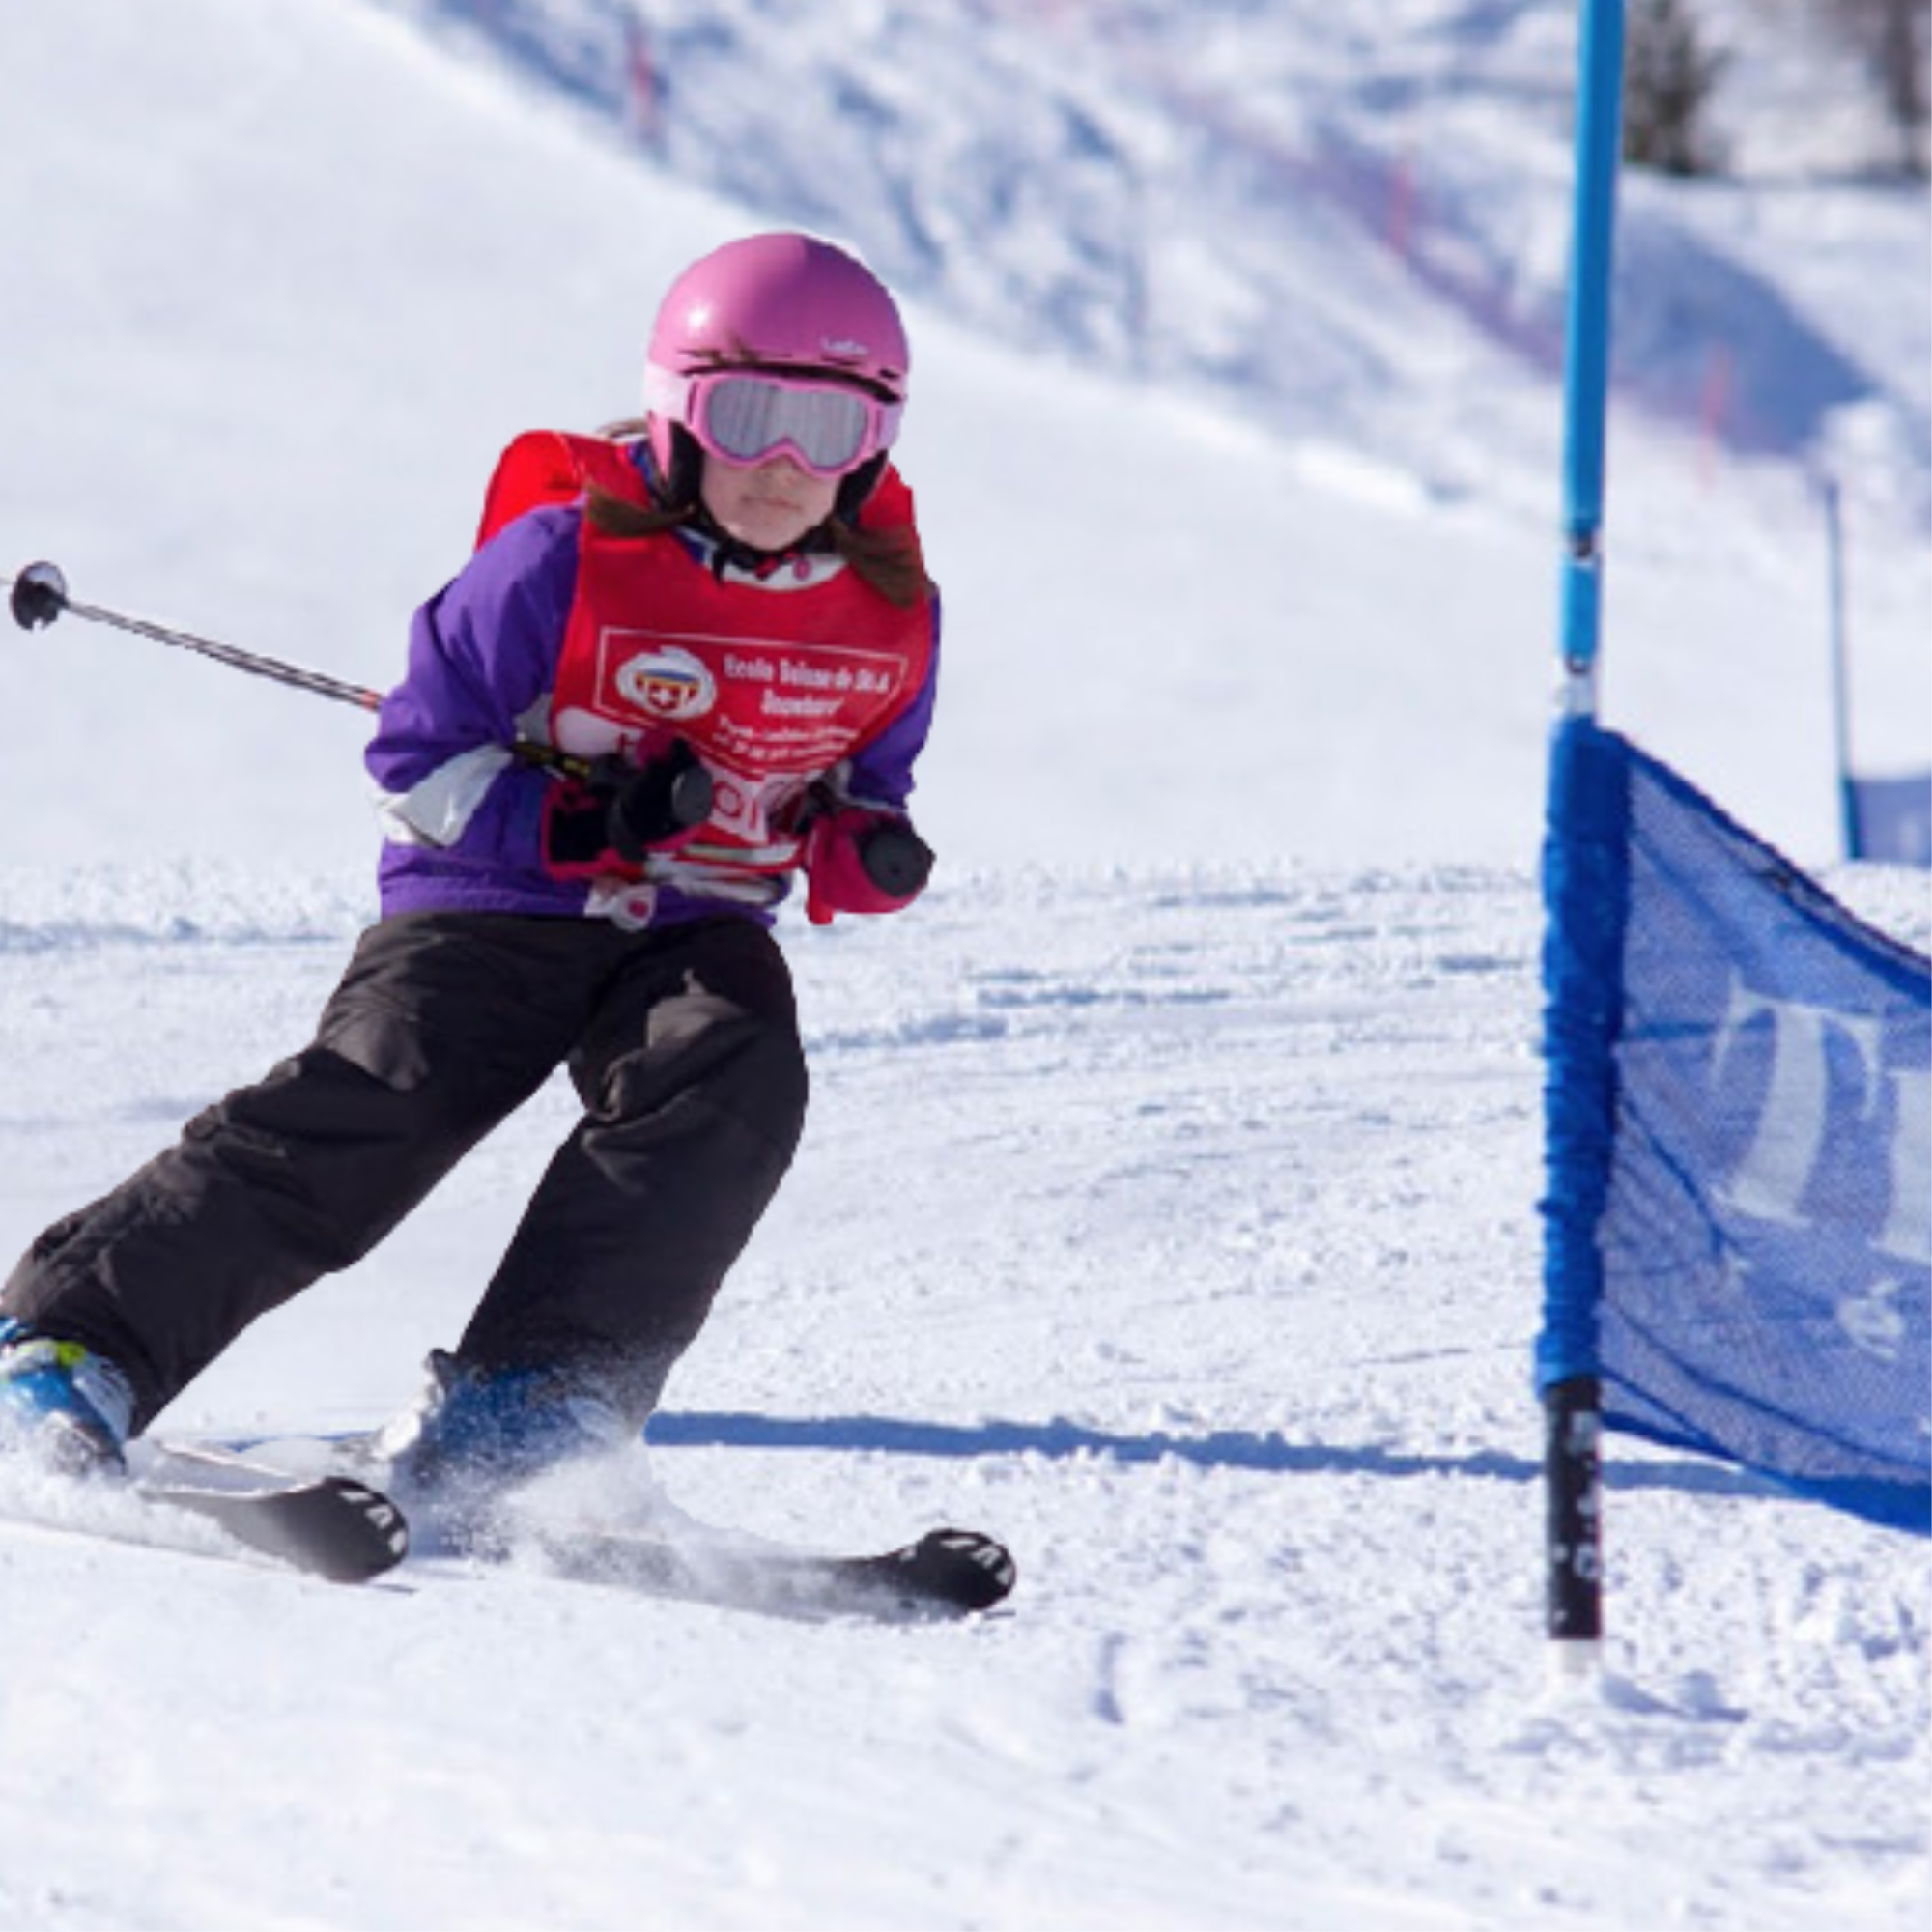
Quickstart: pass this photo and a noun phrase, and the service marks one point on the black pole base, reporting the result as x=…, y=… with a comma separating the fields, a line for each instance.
x=1572, y=1487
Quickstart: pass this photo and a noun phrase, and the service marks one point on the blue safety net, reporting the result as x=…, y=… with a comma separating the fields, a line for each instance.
x=1738, y=1140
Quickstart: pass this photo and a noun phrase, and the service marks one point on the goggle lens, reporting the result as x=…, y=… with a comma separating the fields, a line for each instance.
x=745, y=418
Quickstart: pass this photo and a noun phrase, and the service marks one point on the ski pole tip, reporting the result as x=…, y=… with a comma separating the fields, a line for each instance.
x=39, y=596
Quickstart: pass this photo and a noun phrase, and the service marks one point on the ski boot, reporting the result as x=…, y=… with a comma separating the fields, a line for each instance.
x=60, y=1405
x=475, y=1436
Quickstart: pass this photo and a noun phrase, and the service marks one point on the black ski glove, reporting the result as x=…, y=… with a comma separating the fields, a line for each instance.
x=619, y=811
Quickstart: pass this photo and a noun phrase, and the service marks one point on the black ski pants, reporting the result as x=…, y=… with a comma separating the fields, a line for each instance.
x=683, y=1048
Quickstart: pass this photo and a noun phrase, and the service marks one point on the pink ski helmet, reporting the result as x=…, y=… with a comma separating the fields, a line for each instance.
x=791, y=307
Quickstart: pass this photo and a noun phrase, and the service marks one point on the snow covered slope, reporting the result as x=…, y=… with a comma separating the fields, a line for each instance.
x=1168, y=1199
x=1176, y=1226
x=1352, y=220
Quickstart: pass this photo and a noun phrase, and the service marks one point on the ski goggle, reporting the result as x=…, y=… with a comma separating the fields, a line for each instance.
x=750, y=416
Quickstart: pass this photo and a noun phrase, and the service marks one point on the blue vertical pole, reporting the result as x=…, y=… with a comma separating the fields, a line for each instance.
x=1599, y=85
x=1580, y=1020
x=1842, y=670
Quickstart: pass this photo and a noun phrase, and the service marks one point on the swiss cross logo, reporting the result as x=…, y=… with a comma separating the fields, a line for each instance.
x=669, y=685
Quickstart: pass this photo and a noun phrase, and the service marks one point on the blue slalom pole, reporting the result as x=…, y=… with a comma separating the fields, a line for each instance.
x=1575, y=1046
x=1586, y=381
x=1842, y=672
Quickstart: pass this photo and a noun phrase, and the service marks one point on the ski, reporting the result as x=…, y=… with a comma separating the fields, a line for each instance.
x=947, y=1574
x=331, y=1527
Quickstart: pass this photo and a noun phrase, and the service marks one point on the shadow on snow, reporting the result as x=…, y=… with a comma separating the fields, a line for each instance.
x=1062, y=1440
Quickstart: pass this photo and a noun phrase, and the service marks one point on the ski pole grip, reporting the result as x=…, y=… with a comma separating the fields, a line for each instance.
x=896, y=860
x=39, y=596
x=692, y=794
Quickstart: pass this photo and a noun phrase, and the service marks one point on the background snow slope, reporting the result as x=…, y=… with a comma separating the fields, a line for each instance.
x=1168, y=1201
x=285, y=284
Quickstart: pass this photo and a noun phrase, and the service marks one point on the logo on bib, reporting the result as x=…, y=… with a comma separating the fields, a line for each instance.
x=670, y=685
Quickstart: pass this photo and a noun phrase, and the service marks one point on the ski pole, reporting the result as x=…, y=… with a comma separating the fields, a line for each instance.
x=39, y=595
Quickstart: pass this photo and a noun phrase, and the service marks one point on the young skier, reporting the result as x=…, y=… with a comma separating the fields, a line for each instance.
x=720, y=614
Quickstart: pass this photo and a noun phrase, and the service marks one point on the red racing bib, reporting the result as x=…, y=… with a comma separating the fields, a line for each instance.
x=772, y=682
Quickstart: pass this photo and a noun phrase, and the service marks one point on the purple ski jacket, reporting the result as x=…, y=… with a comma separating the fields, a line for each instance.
x=461, y=817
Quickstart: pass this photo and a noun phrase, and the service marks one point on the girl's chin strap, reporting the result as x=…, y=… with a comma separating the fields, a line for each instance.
x=729, y=553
